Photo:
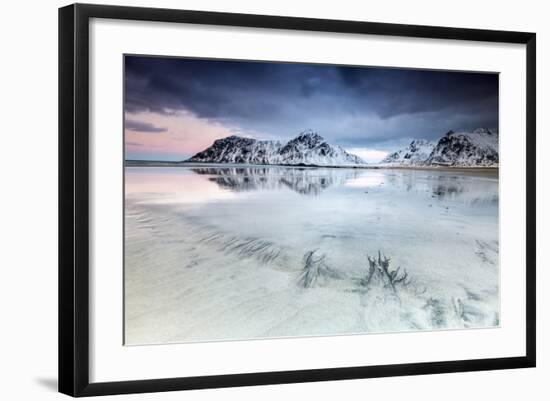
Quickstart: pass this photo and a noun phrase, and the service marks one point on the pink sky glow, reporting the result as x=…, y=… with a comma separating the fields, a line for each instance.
x=184, y=134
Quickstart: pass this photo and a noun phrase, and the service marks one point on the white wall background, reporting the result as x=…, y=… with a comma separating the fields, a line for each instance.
x=28, y=205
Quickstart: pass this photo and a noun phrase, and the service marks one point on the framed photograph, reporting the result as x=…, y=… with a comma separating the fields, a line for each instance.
x=250, y=199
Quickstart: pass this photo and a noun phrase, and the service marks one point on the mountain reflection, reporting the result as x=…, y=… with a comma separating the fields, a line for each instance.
x=465, y=190
x=466, y=187
x=442, y=185
x=305, y=181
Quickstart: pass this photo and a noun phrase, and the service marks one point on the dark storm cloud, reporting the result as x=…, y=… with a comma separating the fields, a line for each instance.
x=356, y=106
x=397, y=91
x=142, y=126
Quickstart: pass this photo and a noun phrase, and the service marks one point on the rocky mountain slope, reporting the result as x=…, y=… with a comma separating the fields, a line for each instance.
x=308, y=148
x=466, y=149
x=415, y=153
x=478, y=148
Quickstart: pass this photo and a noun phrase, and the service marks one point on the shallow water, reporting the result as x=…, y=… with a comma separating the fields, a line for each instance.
x=233, y=252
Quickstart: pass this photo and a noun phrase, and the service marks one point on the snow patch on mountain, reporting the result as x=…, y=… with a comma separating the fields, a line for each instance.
x=414, y=154
x=466, y=149
x=308, y=148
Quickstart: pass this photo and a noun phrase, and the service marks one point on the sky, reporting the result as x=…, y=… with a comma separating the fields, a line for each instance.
x=176, y=107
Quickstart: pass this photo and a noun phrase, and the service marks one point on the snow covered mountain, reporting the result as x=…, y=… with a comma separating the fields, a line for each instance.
x=478, y=148
x=308, y=148
x=414, y=154
x=466, y=149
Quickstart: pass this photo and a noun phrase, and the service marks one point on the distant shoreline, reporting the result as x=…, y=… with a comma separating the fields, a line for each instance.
x=159, y=163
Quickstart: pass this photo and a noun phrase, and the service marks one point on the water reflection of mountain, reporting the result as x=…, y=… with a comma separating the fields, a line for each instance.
x=466, y=187
x=471, y=192
x=305, y=181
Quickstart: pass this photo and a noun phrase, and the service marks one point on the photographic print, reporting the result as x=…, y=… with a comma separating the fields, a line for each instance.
x=273, y=199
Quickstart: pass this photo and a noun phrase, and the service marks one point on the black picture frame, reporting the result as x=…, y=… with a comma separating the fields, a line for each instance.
x=74, y=198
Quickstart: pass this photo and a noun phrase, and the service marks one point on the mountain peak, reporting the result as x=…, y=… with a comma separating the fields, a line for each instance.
x=233, y=140
x=230, y=138
x=414, y=154
x=308, y=131
x=419, y=142
x=310, y=134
